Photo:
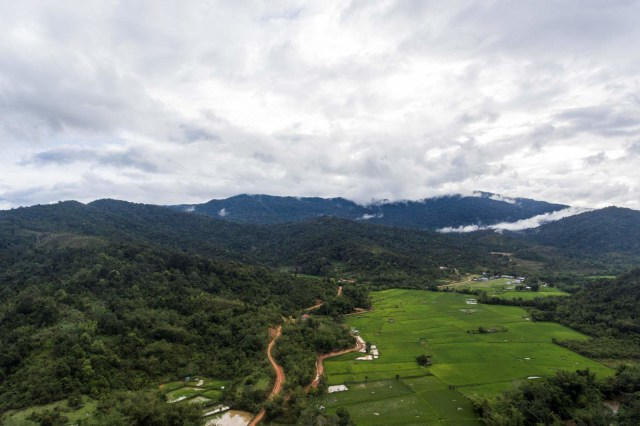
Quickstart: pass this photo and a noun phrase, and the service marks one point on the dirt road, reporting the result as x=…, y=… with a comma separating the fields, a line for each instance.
x=277, y=387
x=321, y=358
x=316, y=306
x=320, y=303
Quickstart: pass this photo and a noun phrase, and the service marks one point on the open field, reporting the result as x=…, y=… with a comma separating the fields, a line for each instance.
x=408, y=323
x=420, y=400
x=504, y=288
x=19, y=418
x=204, y=391
x=528, y=295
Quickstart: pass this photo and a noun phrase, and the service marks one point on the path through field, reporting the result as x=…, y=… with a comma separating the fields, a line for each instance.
x=277, y=387
x=320, y=367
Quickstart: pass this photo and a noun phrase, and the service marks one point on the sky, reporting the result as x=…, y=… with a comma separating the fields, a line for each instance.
x=171, y=102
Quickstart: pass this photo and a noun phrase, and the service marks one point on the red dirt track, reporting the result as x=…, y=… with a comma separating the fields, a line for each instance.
x=320, y=366
x=277, y=387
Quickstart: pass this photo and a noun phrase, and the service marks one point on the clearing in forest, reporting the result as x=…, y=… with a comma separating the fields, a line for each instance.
x=505, y=288
x=475, y=349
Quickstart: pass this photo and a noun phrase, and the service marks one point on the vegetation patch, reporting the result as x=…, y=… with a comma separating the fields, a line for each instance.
x=504, y=288
x=465, y=363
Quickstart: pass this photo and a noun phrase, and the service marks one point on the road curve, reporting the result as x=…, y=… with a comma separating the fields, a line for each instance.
x=277, y=387
x=321, y=358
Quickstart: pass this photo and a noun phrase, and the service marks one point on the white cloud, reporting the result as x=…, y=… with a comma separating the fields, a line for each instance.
x=520, y=225
x=368, y=216
x=168, y=102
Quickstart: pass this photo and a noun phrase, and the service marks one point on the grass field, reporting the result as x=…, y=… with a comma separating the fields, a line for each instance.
x=207, y=394
x=19, y=418
x=407, y=323
x=205, y=391
x=503, y=288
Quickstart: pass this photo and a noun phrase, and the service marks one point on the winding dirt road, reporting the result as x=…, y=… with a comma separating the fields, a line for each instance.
x=277, y=387
x=320, y=367
x=319, y=361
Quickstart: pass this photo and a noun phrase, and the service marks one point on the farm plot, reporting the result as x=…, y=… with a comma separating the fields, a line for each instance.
x=478, y=349
x=505, y=288
x=423, y=400
x=203, y=391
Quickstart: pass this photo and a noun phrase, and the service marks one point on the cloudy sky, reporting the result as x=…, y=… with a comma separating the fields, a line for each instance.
x=180, y=102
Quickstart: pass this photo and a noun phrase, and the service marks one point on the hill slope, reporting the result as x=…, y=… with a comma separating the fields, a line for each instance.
x=612, y=230
x=325, y=246
x=430, y=213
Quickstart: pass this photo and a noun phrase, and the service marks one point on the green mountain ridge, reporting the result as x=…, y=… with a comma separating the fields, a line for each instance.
x=430, y=213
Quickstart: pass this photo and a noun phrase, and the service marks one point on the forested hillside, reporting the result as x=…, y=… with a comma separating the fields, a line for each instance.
x=612, y=230
x=429, y=213
x=88, y=315
x=324, y=246
x=114, y=297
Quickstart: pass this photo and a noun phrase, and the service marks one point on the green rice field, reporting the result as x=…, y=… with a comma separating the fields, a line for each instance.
x=205, y=391
x=408, y=323
x=504, y=288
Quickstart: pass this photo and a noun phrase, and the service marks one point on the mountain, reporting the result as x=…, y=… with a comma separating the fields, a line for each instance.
x=612, y=230
x=430, y=213
x=268, y=209
x=320, y=246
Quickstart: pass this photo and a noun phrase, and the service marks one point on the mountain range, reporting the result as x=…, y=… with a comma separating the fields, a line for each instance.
x=312, y=235
x=482, y=208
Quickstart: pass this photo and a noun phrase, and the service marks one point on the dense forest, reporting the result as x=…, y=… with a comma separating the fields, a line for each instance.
x=576, y=398
x=111, y=298
x=85, y=315
x=325, y=246
x=429, y=213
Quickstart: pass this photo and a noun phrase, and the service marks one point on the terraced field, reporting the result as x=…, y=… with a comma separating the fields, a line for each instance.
x=408, y=323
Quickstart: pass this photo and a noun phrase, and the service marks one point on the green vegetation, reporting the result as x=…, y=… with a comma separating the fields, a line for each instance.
x=119, y=408
x=86, y=408
x=607, y=310
x=83, y=315
x=408, y=323
x=421, y=400
x=326, y=246
x=101, y=303
x=301, y=342
x=555, y=400
x=430, y=213
x=568, y=398
x=204, y=391
x=504, y=288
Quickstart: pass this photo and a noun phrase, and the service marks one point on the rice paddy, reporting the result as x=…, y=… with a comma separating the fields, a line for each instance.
x=203, y=391
x=506, y=288
x=465, y=361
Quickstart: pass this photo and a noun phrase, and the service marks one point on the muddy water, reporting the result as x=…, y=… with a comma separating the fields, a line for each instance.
x=230, y=418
